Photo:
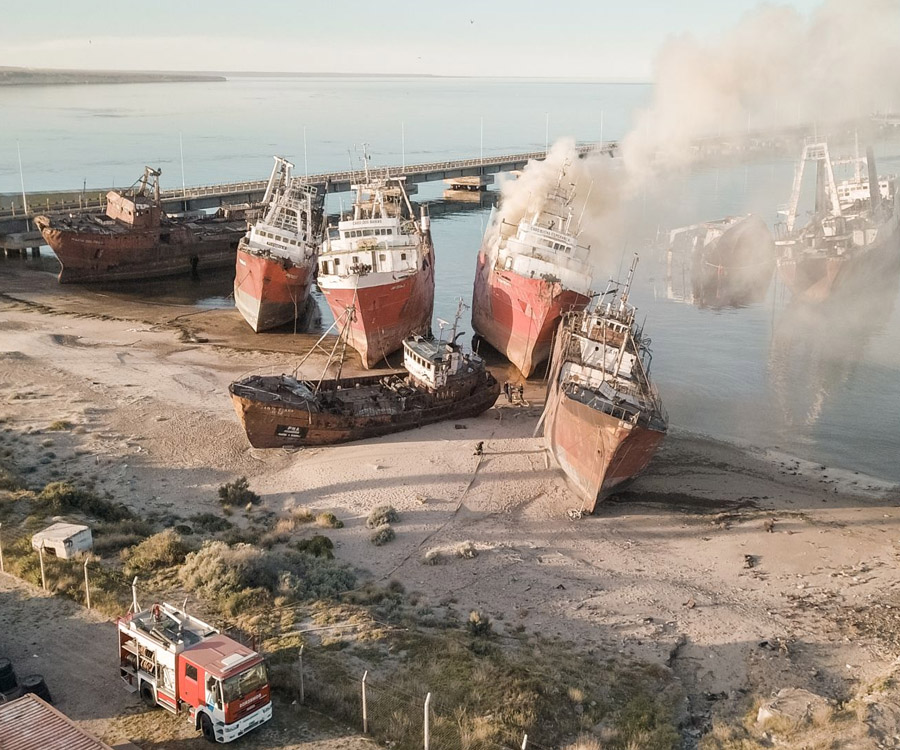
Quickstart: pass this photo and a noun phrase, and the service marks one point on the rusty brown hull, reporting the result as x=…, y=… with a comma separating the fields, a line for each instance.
x=273, y=424
x=88, y=254
x=598, y=452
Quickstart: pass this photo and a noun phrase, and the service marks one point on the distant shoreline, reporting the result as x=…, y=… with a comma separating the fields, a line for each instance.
x=53, y=77
x=10, y=76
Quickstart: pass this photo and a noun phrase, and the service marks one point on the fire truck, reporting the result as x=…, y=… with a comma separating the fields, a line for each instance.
x=185, y=665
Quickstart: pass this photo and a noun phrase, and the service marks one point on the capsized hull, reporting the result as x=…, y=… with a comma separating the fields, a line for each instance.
x=270, y=291
x=384, y=314
x=518, y=316
x=137, y=254
x=598, y=452
x=273, y=424
x=736, y=268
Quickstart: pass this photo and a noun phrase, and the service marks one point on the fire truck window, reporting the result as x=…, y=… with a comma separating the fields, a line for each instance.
x=190, y=671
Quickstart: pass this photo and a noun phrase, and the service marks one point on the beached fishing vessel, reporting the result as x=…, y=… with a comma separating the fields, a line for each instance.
x=440, y=382
x=380, y=264
x=725, y=263
x=603, y=419
x=136, y=239
x=853, y=237
x=528, y=275
x=276, y=259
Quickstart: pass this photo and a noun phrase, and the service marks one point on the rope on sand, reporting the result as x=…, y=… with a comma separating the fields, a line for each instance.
x=442, y=526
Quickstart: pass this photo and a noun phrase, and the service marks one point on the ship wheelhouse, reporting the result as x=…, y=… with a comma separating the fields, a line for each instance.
x=360, y=247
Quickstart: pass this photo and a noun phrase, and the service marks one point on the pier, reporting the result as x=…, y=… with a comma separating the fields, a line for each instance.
x=15, y=221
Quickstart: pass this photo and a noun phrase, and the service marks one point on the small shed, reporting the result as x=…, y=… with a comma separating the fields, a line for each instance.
x=30, y=723
x=65, y=540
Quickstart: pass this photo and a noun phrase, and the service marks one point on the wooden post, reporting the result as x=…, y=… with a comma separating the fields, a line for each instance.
x=87, y=585
x=2, y=569
x=427, y=721
x=524, y=742
x=302, y=692
x=364, y=707
x=41, y=557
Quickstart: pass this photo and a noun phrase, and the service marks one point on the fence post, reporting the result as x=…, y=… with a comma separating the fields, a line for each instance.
x=41, y=558
x=87, y=585
x=302, y=692
x=427, y=721
x=364, y=706
x=524, y=742
x=2, y=569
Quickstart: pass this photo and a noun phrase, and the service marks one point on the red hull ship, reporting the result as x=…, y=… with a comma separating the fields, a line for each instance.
x=603, y=419
x=527, y=276
x=276, y=260
x=137, y=240
x=376, y=271
x=853, y=238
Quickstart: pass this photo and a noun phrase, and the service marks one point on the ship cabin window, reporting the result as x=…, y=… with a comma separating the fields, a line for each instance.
x=337, y=262
x=382, y=257
x=355, y=259
x=402, y=256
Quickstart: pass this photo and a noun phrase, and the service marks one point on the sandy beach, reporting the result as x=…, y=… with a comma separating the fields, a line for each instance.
x=742, y=570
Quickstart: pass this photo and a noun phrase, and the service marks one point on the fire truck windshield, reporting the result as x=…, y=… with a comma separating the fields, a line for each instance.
x=245, y=682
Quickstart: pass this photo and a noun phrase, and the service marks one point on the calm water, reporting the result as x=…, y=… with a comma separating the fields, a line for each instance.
x=821, y=385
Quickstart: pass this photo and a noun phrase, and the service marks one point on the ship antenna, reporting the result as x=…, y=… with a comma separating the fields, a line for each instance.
x=459, y=310
x=584, y=207
x=627, y=288
x=366, y=160
x=441, y=324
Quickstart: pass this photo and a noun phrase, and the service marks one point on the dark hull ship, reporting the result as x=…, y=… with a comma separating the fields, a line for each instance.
x=441, y=382
x=853, y=237
x=135, y=239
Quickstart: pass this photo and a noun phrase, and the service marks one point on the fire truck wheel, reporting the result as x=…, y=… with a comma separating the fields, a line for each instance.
x=206, y=727
x=147, y=696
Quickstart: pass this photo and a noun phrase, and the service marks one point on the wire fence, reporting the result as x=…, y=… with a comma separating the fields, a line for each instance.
x=405, y=715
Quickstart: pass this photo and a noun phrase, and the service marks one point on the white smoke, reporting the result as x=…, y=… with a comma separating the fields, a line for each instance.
x=776, y=68
x=596, y=207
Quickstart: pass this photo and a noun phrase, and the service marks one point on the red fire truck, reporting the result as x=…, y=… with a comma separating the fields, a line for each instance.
x=185, y=665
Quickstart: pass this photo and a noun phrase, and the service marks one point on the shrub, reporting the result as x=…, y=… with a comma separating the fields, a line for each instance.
x=329, y=521
x=60, y=424
x=111, y=537
x=161, y=550
x=238, y=492
x=210, y=523
x=382, y=515
x=233, y=577
x=479, y=625
x=317, y=546
x=382, y=535
x=63, y=497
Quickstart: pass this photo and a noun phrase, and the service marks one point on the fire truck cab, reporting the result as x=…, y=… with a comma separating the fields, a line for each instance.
x=187, y=666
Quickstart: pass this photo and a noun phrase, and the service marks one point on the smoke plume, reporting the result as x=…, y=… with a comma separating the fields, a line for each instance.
x=776, y=68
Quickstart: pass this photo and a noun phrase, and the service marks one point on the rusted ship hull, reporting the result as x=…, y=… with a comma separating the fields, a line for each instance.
x=598, y=452
x=270, y=291
x=270, y=425
x=385, y=314
x=736, y=268
x=518, y=316
x=135, y=254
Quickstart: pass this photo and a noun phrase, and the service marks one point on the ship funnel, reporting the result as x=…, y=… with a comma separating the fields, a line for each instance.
x=874, y=186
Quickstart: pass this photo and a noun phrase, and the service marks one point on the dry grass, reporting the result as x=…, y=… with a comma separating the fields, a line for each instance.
x=328, y=520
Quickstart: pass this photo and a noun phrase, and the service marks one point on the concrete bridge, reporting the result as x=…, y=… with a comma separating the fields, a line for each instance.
x=14, y=220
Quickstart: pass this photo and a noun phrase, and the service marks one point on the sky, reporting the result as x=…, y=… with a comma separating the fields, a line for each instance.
x=567, y=39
